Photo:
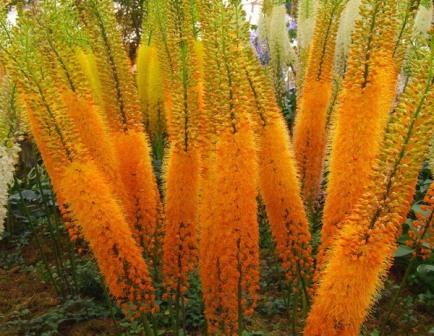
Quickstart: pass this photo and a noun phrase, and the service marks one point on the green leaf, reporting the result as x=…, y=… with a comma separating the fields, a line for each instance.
x=403, y=251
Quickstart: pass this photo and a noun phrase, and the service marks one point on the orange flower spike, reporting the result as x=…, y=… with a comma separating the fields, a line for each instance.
x=180, y=242
x=142, y=207
x=229, y=269
x=104, y=227
x=363, y=252
x=95, y=137
x=235, y=227
x=364, y=104
x=278, y=181
x=311, y=118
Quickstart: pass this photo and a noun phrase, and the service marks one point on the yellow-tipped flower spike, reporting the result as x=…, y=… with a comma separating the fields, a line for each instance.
x=360, y=258
x=150, y=88
x=87, y=62
x=114, y=68
x=364, y=103
x=311, y=118
x=54, y=131
x=233, y=278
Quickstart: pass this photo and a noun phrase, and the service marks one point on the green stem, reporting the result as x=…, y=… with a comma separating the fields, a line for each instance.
x=183, y=312
x=396, y=296
x=109, y=304
x=294, y=314
x=146, y=326
x=59, y=290
x=54, y=234
x=177, y=299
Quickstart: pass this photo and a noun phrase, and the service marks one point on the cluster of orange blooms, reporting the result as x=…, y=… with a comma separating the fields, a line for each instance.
x=199, y=80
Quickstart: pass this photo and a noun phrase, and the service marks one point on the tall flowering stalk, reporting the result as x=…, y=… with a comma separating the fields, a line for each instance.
x=122, y=113
x=229, y=270
x=362, y=254
x=364, y=103
x=311, y=118
x=176, y=50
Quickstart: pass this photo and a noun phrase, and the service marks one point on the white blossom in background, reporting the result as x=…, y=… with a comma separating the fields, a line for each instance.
x=343, y=38
x=8, y=160
x=273, y=30
x=306, y=22
x=305, y=27
x=11, y=127
x=424, y=17
x=253, y=9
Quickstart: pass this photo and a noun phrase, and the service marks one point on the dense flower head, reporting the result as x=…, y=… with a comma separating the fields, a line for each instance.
x=141, y=199
x=108, y=234
x=180, y=241
x=95, y=137
x=231, y=276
